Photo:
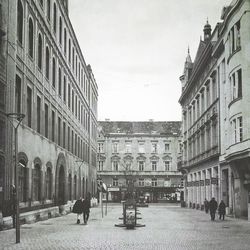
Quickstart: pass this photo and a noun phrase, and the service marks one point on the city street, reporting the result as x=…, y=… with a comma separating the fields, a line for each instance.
x=167, y=227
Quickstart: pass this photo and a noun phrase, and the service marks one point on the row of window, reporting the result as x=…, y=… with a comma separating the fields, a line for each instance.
x=141, y=166
x=56, y=78
x=202, y=102
x=37, y=179
x=49, y=123
x=128, y=147
x=205, y=140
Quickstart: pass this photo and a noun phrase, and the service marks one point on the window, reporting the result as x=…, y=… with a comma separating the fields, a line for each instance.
x=47, y=66
x=59, y=130
x=141, y=182
x=29, y=106
x=208, y=96
x=115, y=165
x=115, y=147
x=53, y=126
x=154, y=182
x=37, y=183
x=128, y=147
x=20, y=22
x=141, y=148
x=154, y=147
x=60, y=31
x=41, y=2
x=48, y=188
x=234, y=38
x=40, y=52
x=64, y=89
x=23, y=181
x=75, y=185
x=59, y=82
x=100, y=165
x=167, y=165
x=46, y=120
x=237, y=130
x=73, y=59
x=100, y=147
x=167, y=147
x=68, y=138
x=64, y=135
x=38, y=114
x=69, y=95
x=48, y=10
x=18, y=94
x=69, y=51
x=115, y=182
x=214, y=86
x=65, y=41
x=154, y=165
x=141, y=165
x=31, y=38
x=54, y=72
x=236, y=84
x=54, y=17
x=70, y=186
x=73, y=101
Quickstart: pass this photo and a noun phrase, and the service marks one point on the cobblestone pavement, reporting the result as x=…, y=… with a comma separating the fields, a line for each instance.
x=167, y=227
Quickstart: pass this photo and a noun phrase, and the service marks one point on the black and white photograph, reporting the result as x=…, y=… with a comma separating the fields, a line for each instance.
x=125, y=124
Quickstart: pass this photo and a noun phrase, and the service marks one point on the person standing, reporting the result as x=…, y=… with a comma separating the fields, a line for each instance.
x=78, y=209
x=222, y=210
x=206, y=205
x=213, y=207
x=86, y=209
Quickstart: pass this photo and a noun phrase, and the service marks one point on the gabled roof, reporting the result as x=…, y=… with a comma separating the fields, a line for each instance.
x=201, y=47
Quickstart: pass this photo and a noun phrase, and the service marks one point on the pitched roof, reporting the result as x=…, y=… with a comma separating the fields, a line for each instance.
x=147, y=127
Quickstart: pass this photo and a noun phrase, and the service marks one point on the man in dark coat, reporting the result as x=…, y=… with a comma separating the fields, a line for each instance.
x=78, y=209
x=86, y=209
x=222, y=210
x=206, y=205
x=213, y=207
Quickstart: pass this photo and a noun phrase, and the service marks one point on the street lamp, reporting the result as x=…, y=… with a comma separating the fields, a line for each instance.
x=19, y=117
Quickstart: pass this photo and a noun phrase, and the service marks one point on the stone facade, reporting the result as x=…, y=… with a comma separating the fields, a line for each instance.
x=50, y=82
x=215, y=158
x=144, y=153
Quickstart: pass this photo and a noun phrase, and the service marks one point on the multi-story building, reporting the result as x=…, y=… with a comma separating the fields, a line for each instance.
x=232, y=50
x=215, y=98
x=200, y=103
x=48, y=80
x=144, y=153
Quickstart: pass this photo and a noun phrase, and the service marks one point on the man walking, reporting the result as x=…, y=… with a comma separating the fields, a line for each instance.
x=86, y=209
x=213, y=207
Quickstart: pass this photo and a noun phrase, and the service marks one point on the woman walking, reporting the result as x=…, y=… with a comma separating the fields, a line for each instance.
x=78, y=209
x=222, y=210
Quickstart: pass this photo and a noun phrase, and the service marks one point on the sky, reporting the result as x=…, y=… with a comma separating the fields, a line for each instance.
x=137, y=50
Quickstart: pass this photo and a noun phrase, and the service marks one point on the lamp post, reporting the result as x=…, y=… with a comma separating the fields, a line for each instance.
x=19, y=117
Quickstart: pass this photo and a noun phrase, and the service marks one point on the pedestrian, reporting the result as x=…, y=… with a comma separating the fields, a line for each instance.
x=78, y=209
x=86, y=208
x=222, y=210
x=206, y=205
x=213, y=207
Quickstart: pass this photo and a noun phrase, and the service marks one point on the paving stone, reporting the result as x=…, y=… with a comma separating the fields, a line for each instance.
x=167, y=227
